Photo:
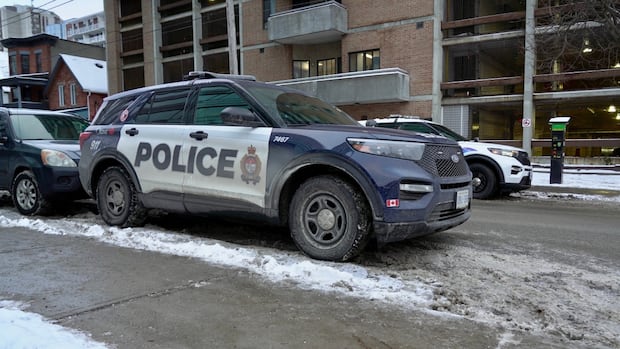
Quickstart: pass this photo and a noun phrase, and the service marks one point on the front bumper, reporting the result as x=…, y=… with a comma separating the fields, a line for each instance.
x=433, y=213
x=60, y=183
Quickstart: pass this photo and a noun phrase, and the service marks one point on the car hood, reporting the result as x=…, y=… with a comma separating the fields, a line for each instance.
x=482, y=146
x=384, y=133
x=71, y=148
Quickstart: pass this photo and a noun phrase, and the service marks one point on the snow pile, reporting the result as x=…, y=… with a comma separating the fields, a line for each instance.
x=20, y=329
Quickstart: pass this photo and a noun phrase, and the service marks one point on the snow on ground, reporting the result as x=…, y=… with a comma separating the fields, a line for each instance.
x=409, y=288
x=20, y=329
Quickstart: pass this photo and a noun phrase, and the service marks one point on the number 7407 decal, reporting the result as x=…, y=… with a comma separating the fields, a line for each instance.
x=280, y=139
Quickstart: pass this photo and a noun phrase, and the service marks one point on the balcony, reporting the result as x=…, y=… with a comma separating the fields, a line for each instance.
x=370, y=86
x=320, y=23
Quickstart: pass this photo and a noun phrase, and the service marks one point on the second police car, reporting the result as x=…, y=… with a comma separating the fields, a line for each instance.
x=229, y=145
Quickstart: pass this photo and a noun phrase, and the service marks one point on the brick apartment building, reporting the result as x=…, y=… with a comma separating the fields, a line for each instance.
x=32, y=61
x=460, y=62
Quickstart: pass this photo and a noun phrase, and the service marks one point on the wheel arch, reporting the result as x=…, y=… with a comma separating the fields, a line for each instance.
x=107, y=161
x=296, y=176
x=490, y=163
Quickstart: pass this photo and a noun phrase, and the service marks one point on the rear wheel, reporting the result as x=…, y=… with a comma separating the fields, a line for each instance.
x=485, y=181
x=117, y=199
x=26, y=195
x=329, y=219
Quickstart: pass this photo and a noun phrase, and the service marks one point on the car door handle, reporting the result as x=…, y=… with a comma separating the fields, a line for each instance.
x=199, y=135
x=132, y=131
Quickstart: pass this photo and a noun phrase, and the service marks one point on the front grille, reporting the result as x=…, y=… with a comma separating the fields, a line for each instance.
x=437, y=159
x=523, y=158
x=445, y=211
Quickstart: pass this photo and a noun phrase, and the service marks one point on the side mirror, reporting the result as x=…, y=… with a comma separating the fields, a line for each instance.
x=236, y=116
x=371, y=123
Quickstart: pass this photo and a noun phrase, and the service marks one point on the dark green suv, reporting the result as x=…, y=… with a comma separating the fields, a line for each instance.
x=39, y=153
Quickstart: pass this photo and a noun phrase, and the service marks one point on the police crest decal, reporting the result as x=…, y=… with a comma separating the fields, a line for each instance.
x=250, y=166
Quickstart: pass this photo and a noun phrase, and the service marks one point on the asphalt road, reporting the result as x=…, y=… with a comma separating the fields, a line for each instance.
x=136, y=299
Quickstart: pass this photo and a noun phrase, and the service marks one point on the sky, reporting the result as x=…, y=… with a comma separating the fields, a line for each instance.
x=65, y=9
x=21, y=329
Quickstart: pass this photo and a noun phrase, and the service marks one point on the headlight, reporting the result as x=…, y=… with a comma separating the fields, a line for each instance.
x=504, y=152
x=394, y=149
x=56, y=158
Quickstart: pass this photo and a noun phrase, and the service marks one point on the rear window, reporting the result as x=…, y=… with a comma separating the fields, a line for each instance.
x=47, y=127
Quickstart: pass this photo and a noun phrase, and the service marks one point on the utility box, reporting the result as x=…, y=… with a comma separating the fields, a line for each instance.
x=558, y=140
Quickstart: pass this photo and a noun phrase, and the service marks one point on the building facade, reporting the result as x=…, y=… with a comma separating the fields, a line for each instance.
x=32, y=60
x=486, y=69
x=87, y=30
x=21, y=21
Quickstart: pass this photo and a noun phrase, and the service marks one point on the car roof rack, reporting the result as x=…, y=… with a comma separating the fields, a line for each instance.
x=210, y=75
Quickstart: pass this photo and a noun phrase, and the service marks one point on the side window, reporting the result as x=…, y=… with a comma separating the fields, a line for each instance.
x=417, y=127
x=115, y=111
x=212, y=100
x=167, y=107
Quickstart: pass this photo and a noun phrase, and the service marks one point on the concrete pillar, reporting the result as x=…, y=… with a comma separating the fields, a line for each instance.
x=113, y=46
x=197, y=34
x=153, y=72
x=232, y=38
x=529, y=109
x=438, y=17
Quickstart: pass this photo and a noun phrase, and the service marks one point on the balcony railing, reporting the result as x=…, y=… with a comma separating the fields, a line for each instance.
x=85, y=29
x=319, y=23
x=370, y=86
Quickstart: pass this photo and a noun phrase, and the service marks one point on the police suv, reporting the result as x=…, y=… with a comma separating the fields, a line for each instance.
x=229, y=145
x=496, y=168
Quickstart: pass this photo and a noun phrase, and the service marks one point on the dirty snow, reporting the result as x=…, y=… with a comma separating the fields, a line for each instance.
x=560, y=307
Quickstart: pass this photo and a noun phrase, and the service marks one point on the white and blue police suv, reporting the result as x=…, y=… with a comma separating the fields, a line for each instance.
x=229, y=145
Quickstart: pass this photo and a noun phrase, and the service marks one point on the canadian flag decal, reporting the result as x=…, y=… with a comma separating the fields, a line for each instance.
x=392, y=203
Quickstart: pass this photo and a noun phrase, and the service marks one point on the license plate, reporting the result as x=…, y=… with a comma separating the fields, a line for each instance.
x=462, y=199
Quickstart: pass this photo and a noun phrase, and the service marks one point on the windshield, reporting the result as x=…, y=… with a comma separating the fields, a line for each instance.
x=427, y=127
x=448, y=133
x=47, y=127
x=296, y=109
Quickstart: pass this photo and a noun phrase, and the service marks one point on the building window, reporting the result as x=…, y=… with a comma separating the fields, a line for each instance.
x=327, y=67
x=39, y=63
x=73, y=91
x=176, y=37
x=132, y=40
x=301, y=69
x=267, y=11
x=365, y=60
x=175, y=70
x=133, y=78
x=13, y=64
x=217, y=63
x=215, y=29
x=25, y=58
x=61, y=95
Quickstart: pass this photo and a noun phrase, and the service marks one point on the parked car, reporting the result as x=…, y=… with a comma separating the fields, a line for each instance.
x=39, y=153
x=229, y=145
x=496, y=168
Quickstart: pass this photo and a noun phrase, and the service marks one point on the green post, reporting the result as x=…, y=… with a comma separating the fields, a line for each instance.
x=558, y=139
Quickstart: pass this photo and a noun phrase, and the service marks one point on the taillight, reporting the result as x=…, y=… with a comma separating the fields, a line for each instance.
x=84, y=136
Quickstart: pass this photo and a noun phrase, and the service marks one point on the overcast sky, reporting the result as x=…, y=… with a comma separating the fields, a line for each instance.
x=66, y=9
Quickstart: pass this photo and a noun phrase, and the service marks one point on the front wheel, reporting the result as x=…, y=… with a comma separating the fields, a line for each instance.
x=329, y=219
x=117, y=199
x=26, y=195
x=485, y=181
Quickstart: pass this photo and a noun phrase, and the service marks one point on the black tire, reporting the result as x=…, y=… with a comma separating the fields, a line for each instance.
x=117, y=199
x=329, y=219
x=26, y=195
x=487, y=189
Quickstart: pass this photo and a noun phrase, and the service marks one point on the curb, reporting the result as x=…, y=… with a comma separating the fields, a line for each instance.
x=569, y=190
